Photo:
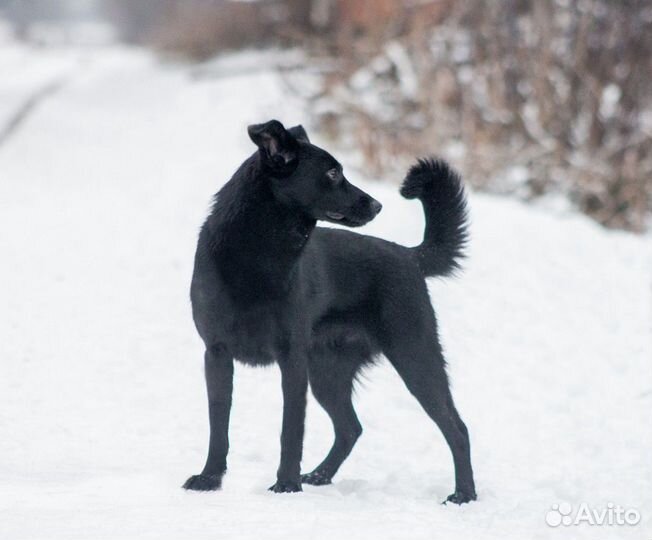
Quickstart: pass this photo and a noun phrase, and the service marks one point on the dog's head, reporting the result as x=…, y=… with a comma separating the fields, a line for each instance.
x=307, y=178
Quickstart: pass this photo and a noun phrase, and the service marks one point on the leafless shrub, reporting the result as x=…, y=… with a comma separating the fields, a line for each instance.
x=198, y=29
x=542, y=97
x=528, y=97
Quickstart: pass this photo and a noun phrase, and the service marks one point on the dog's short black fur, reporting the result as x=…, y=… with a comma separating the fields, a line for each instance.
x=269, y=286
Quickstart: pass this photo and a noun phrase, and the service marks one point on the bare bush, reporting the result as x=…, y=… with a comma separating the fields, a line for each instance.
x=198, y=29
x=527, y=97
x=542, y=97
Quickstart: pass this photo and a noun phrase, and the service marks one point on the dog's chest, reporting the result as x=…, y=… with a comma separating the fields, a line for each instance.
x=259, y=334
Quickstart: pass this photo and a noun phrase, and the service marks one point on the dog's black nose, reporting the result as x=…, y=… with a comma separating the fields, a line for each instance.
x=376, y=206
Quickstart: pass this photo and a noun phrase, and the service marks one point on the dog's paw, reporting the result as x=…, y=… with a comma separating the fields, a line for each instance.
x=461, y=497
x=286, y=486
x=203, y=482
x=316, y=478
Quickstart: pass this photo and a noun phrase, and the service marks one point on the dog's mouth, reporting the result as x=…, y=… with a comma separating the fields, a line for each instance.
x=337, y=217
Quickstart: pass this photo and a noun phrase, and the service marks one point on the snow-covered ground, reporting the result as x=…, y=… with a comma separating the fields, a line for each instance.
x=548, y=334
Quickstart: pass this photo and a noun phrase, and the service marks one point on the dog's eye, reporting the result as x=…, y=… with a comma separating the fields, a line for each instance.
x=333, y=175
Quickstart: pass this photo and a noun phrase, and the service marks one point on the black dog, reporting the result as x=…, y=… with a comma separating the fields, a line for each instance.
x=268, y=286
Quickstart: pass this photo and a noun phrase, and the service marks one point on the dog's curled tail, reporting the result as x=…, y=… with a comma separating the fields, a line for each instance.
x=440, y=190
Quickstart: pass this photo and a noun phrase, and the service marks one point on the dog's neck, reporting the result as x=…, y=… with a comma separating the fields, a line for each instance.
x=254, y=235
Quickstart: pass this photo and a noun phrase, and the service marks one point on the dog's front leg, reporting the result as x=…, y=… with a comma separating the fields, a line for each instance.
x=295, y=386
x=218, y=364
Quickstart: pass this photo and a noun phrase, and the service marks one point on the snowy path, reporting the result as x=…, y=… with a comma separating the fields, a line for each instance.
x=102, y=409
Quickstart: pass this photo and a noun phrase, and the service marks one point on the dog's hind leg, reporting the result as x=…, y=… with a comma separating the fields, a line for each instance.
x=332, y=385
x=421, y=366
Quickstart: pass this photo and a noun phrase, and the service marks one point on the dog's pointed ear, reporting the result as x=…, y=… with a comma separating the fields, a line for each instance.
x=275, y=142
x=299, y=133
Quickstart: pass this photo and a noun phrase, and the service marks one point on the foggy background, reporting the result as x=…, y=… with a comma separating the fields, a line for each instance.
x=547, y=100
